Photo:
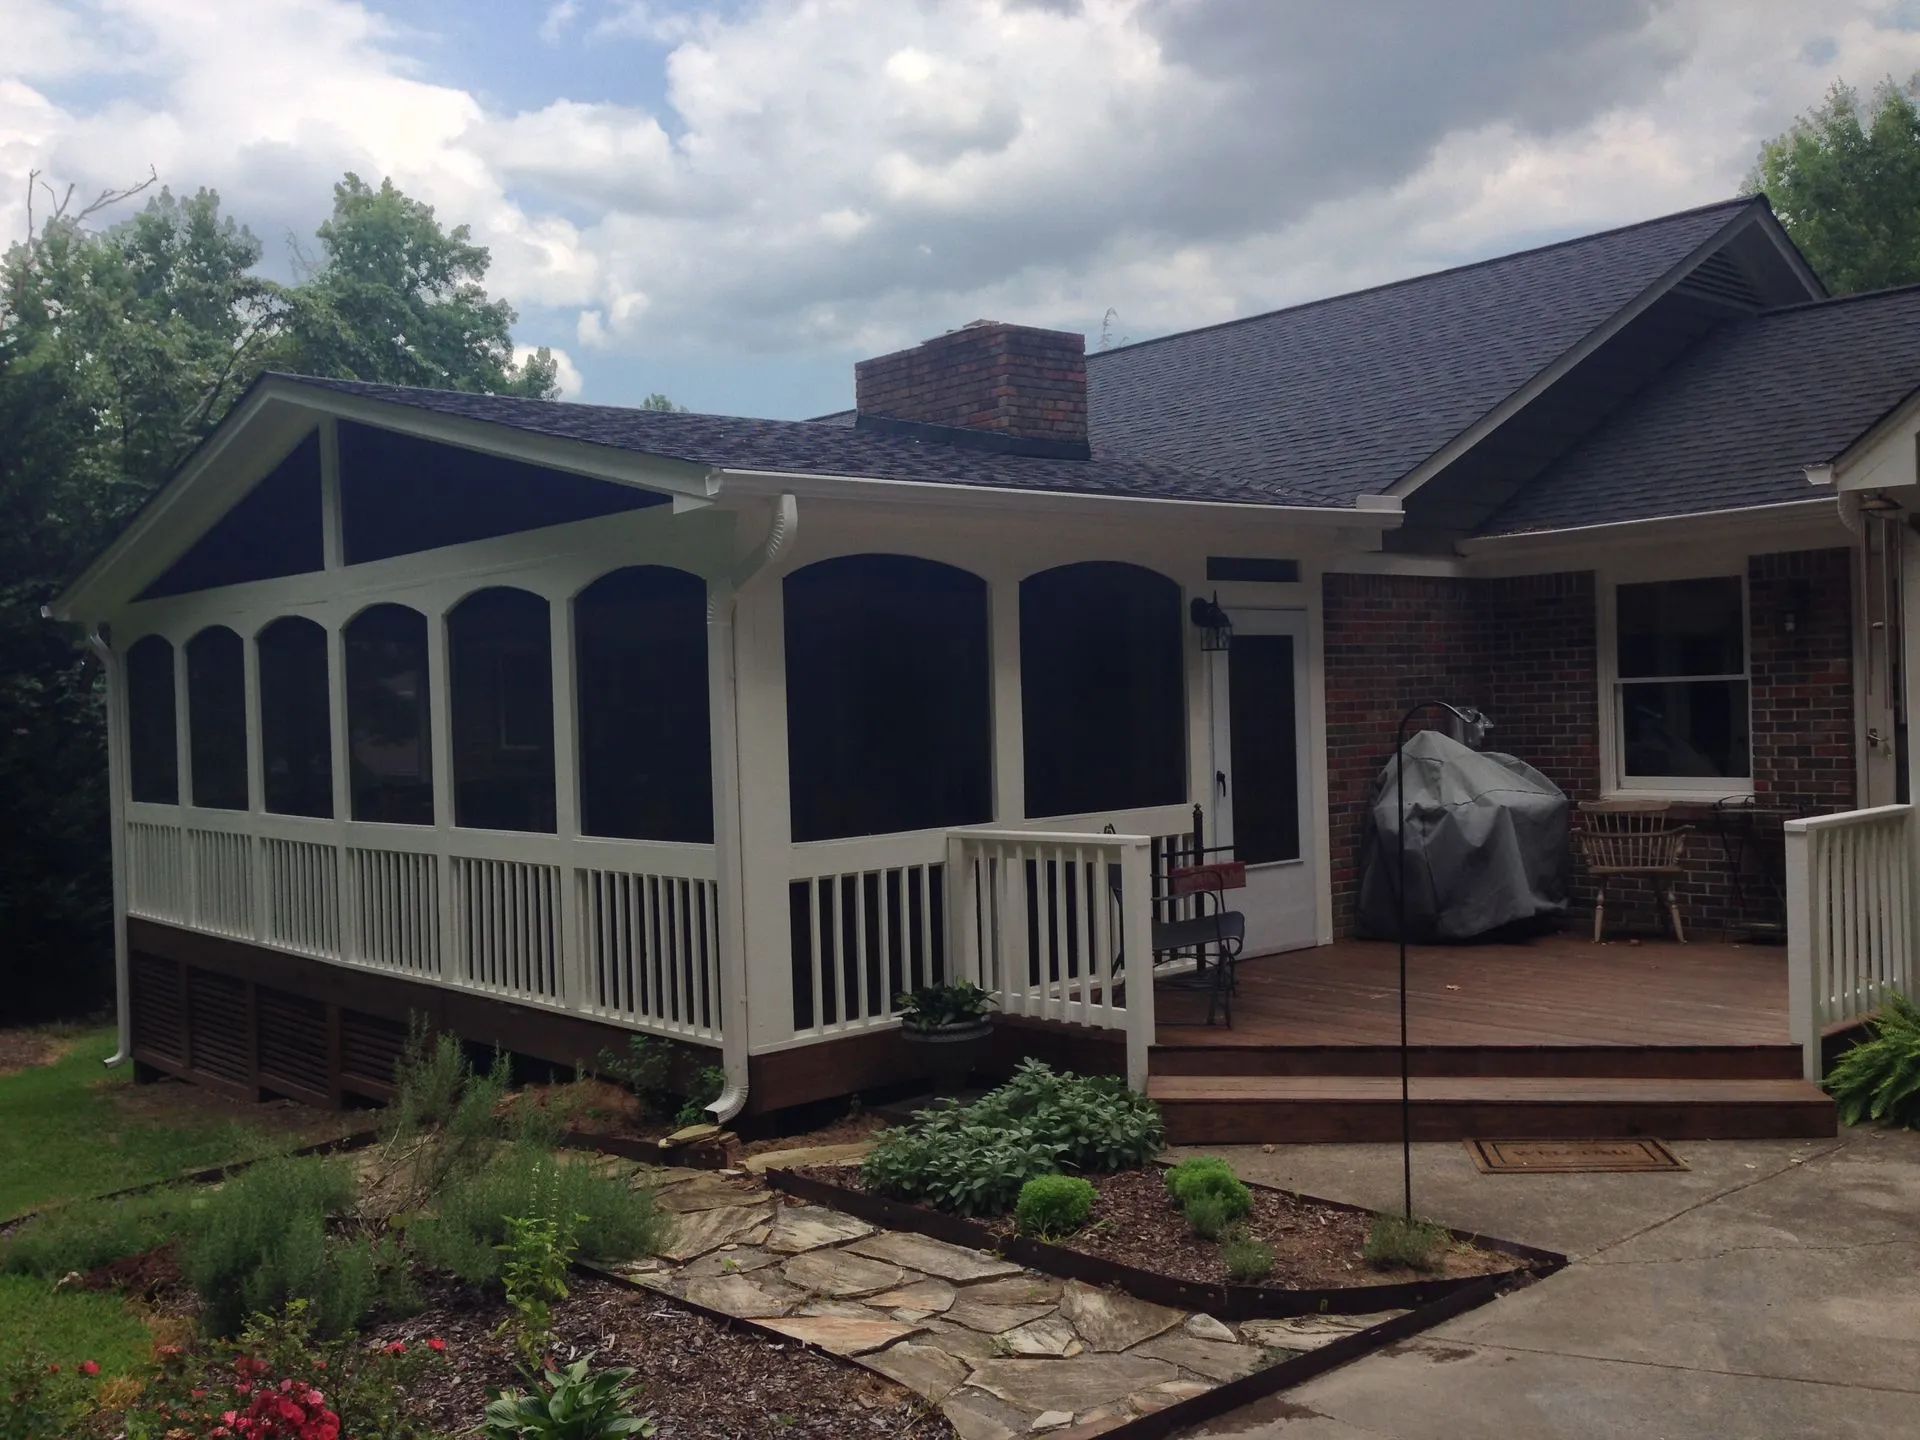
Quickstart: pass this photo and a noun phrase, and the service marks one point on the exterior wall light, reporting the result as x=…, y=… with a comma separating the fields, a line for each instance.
x=1216, y=630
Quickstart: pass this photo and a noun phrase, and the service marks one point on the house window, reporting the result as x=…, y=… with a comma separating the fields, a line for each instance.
x=1680, y=683
x=296, y=728
x=153, y=754
x=889, y=712
x=389, y=734
x=640, y=667
x=1102, y=689
x=500, y=662
x=217, y=719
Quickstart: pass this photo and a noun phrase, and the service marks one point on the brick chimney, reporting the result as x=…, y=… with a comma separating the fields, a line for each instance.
x=1007, y=387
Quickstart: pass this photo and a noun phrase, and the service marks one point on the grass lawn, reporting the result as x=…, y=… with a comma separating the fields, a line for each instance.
x=65, y=1134
x=69, y=1326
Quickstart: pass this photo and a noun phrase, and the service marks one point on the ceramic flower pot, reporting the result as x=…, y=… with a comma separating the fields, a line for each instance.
x=949, y=1054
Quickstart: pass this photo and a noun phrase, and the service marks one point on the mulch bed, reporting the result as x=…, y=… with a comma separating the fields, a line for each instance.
x=154, y=1278
x=1137, y=1224
x=700, y=1378
x=31, y=1046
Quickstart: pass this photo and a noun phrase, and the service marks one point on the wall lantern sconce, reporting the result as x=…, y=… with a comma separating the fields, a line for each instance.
x=1216, y=630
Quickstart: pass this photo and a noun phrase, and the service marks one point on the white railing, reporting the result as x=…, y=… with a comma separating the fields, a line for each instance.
x=623, y=931
x=866, y=927
x=1055, y=924
x=1852, y=920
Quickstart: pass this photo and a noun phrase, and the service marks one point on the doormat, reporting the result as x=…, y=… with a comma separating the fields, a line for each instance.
x=1570, y=1157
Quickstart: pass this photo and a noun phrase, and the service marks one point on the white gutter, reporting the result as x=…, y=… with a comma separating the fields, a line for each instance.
x=729, y=823
x=117, y=843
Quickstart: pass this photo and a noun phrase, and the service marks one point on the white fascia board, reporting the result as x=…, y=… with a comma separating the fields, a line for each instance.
x=1849, y=469
x=1789, y=518
x=1580, y=350
x=762, y=483
x=179, y=512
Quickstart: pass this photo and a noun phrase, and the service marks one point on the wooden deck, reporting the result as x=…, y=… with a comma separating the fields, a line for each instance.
x=1556, y=1037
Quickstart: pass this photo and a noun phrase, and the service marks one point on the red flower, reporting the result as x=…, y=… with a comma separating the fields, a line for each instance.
x=89, y=1367
x=398, y=1347
x=437, y=1345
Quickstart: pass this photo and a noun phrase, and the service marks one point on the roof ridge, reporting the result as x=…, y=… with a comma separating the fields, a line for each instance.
x=1734, y=203
x=1825, y=301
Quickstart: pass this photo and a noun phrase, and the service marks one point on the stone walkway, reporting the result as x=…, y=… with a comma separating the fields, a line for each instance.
x=1002, y=1350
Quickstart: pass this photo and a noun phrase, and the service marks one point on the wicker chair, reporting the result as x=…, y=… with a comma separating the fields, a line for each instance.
x=1633, y=838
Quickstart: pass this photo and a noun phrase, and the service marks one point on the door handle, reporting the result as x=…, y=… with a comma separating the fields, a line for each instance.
x=1220, y=779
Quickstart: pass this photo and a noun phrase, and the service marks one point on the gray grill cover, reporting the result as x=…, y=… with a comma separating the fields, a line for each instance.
x=1486, y=843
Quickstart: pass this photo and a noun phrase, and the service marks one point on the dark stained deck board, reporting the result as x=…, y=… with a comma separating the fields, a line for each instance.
x=1558, y=991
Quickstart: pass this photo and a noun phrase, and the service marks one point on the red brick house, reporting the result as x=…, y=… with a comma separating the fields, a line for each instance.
x=556, y=722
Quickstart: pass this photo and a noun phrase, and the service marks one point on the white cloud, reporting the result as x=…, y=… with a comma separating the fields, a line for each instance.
x=835, y=177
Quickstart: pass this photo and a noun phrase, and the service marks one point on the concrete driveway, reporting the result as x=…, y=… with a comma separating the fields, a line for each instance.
x=1772, y=1290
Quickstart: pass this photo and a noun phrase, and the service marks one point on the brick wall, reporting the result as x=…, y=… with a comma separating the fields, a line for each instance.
x=1012, y=379
x=1526, y=651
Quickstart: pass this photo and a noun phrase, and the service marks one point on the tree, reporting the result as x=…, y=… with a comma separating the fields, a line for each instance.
x=120, y=349
x=657, y=401
x=1845, y=182
x=399, y=299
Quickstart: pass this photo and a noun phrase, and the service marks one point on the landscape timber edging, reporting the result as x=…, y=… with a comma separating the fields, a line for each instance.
x=1222, y=1301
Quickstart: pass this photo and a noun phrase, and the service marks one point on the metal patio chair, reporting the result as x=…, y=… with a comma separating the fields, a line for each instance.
x=1211, y=927
x=1634, y=839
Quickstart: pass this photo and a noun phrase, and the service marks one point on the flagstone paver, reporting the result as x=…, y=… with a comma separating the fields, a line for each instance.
x=1005, y=1352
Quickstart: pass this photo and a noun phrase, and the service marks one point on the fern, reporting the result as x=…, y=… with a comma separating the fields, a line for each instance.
x=1879, y=1079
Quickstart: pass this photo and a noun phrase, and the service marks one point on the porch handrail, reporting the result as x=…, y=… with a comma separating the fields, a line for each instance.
x=1853, y=918
x=1041, y=919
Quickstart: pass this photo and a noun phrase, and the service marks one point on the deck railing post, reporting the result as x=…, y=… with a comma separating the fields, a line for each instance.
x=1136, y=944
x=1805, y=948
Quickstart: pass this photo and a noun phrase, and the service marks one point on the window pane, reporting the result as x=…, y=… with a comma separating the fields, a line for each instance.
x=1266, y=758
x=1682, y=627
x=1686, y=728
x=889, y=721
x=296, y=728
x=153, y=756
x=1103, y=690
x=389, y=732
x=640, y=667
x=499, y=652
x=217, y=719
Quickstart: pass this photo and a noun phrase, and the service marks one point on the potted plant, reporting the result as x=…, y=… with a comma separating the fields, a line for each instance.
x=947, y=1028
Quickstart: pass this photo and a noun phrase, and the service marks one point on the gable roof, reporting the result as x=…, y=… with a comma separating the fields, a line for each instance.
x=1349, y=395
x=1734, y=422
x=731, y=442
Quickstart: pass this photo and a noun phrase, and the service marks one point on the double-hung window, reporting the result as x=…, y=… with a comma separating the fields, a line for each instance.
x=1680, y=677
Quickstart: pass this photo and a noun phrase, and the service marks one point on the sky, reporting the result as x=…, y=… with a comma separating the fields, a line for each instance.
x=732, y=202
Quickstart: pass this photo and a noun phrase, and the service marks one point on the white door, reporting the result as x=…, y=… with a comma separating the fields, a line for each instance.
x=1261, y=790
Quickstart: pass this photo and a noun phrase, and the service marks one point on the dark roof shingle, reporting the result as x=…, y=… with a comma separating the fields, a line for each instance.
x=1734, y=422
x=807, y=447
x=1343, y=397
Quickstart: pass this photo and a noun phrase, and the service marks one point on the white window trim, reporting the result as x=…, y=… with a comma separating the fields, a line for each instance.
x=1615, y=784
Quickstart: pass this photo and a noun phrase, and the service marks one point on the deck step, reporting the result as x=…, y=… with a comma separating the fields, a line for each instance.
x=1226, y=1055
x=1301, y=1109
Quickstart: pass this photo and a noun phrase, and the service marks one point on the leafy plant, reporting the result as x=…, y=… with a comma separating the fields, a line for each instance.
x=1397, y=1242
x=1199, y=1173
x=1212, y=1197
x=538, y=1250
x=87, y=1234
x=1053, y=1205
x=1879, y=1079
x=646, y=1069
x=570, y=1404
x=41, y=1398
x=707, y=1085
x=1248, y=1261
x=940, y=1007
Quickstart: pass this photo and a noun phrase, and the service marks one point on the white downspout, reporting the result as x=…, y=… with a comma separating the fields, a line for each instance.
x=117, y=826
x=728, y=827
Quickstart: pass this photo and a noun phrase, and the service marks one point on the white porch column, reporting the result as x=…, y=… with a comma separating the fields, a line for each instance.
x=1009, y=735
x=113, y=664
x=566, y=795
x=764, y=817
x=728, y=861
x=440, y=733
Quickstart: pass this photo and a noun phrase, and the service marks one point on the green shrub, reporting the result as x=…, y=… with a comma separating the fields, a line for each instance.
x=935, y=1007
x=1053, y=1205
x=470, y=1218
x=973, y=1159
x=41, y=1398
x=536, y=1255
x=1248, y=1261
x=1189, y=1174
x=1211, y=1215
x=570, y=1404
x=262, y=1240
x=1396, y=1242
x=87, y=1234
x=1879, y=1079
x=707, y=1085
x=1213, y=1198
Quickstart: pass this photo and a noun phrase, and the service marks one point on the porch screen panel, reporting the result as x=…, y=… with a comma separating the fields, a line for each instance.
x=1682, y=679
x=389, y=734
x=640, y=669
x=889, y=716
x=153, y=753
x=217, y=719
x=500, y=659
x=1262, y=707
x=1102, y=689
x=296, y=733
